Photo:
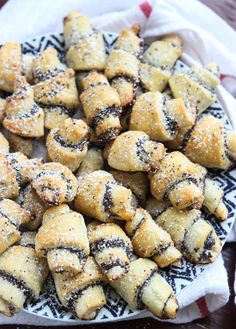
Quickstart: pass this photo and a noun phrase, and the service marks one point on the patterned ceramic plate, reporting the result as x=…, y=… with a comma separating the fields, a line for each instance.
x=179, y=277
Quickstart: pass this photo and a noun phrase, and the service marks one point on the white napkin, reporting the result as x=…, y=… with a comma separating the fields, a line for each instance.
x=207, y=37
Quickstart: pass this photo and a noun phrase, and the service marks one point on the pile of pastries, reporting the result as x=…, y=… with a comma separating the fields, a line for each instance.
x=134, y=165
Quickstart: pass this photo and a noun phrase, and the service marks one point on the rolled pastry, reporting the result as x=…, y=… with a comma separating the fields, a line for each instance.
x=196, y=86
x=31, y=202
x=192, y=235
x=136, y=181
x=157, y=62
x=12, y=216
x=68, y=247
x=101, y=105
x=213, y=199
x=56, y=89
x=22, y=275
x=155, y=207
x=27, y=67
x=179, y=180
x=23, y=116
x=15, y=170
x=82, y=294
x=4, y=144
x=54, y=183
x=159, y=118
x=111, y=248
x=20, y=144
x=85, y=47
x=142, y=287
x=68, y=144
x=134, y=151
x=122, y=67
x=10, y=65
x=210, y=145
x=150, y=240
x=93, y=161
x=101, y=197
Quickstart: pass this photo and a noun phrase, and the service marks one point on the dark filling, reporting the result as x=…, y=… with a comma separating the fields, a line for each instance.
x=107, y=137
x=171, y=124
x=107, y=198
x=108, y=265
x=59, y=109
x=209, y=243
x=28, y=245
x=141, y=153
x=56, y=173
x=184, y=178
x=92, y=85
x=33, y=111
x=228, y=152
x=101, y=244
x=79, y=252
x=16, y=168
x=21, y=285
x=160, y=249
x=80, y=146
x=105, y=112
x=8, y=218
x=163, y=314
x=142, y=220
x=139, y=289
x=78, y=293
x=42, y=76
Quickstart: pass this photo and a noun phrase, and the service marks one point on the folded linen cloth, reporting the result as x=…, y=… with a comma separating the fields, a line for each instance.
x=203, y=43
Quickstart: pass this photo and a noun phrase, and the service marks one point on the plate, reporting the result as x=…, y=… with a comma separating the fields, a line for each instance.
x=179, y=277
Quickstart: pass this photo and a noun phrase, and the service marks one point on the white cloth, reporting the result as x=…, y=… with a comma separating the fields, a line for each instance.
x=207, y=37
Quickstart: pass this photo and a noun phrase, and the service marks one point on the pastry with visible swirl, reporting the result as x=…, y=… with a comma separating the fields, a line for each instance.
x=82, y=294
x=150, y=240
x=29, y=200
x=134, y=151
x=10, y=65
x=210, y=145
x=142, y=287
x=192, y=234
x=111, y=248
x=54, y=183
x=22, y=275
x=101, y=105
x=159, y=118
x=103, y=198
x=179, y=180
x=12, y=216
x=136, y=181
x=56, y=89
x=67, y=248
x=23, y=116
x=15, y=171
x=68, y=144
x=85, y=47
x=157, y=62
x=122, y=67
x=196, y=86
x=93, y=161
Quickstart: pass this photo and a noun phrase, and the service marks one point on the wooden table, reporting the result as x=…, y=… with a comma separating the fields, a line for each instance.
x=224, y=318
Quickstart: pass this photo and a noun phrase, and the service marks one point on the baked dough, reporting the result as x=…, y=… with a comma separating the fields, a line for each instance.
x=93, y=161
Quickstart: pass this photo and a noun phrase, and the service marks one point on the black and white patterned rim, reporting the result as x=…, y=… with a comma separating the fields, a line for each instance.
x=180, y=277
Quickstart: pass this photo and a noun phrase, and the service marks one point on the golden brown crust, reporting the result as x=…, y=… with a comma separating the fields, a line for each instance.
x=101, y=197
x=111, y=248
x=2, y=109
x=93, y=161
x=4, y=144
x=68, y=247
x=23, y=116
x=143, y=287
x=68, y=144
x=86, y=305
x=134, y=151
x=20, y=144
x=191, y=234
x=101, y=105
x=85, y=47
x=54, y=183
x=207, y=144
x=10, y=65
x=150, y=240
x=179, y=180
